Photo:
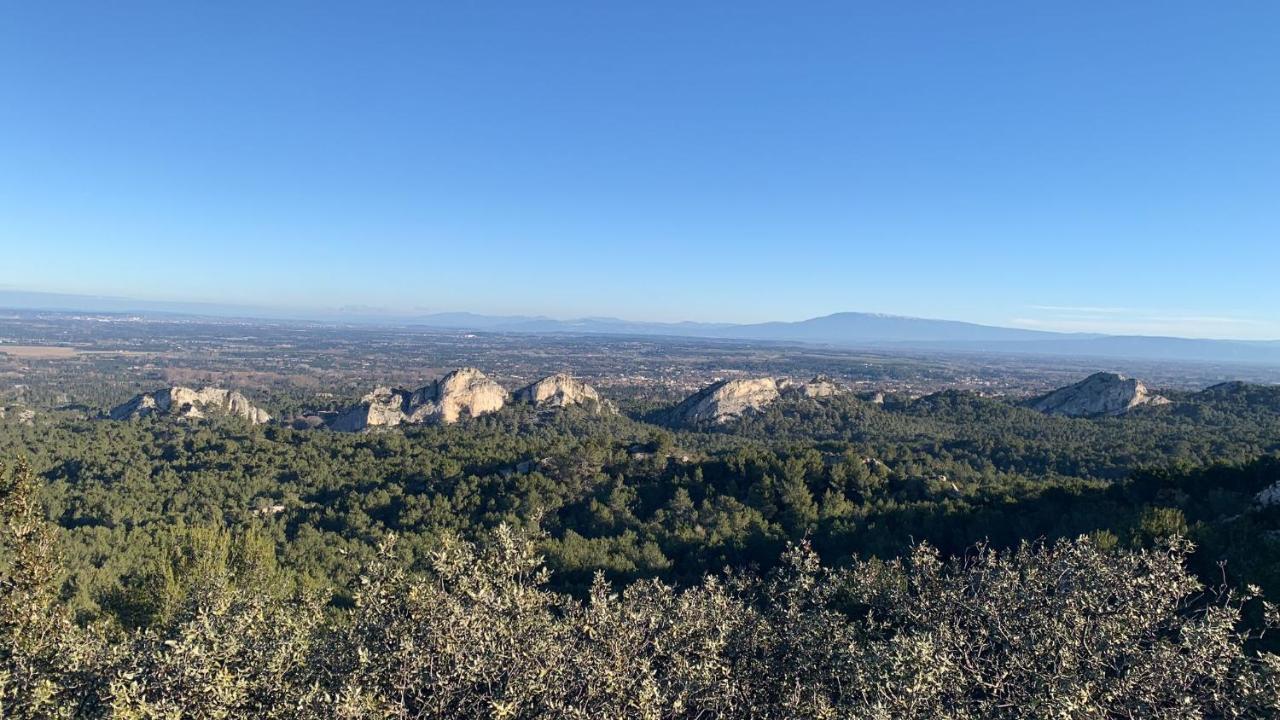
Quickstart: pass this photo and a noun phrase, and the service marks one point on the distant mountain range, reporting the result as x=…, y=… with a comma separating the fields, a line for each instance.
x=853, y=329
x=841, y=328
x=846, y=329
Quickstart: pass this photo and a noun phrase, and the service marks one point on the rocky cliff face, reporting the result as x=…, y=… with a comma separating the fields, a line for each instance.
x=384, y=407
x=819, y=387
x=559, y=391
x=1097, y=395
x=726, y=400
x=465, y=392
x=184, y=402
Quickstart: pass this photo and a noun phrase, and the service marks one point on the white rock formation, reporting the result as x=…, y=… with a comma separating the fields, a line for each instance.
x=1097, y=395
x=819, y=387
x=726, y=400
x=562, y=390
x=384, y=407
x=24, y=416
x=465, y=392
x=187, y=403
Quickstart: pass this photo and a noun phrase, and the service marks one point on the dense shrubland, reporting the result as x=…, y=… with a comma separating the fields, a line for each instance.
x=1062, y=630
x=949, y=557
x=637, y=500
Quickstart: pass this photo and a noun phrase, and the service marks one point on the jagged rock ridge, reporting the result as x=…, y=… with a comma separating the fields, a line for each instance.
x=184, y=402
x=562, y=390
x=384, y=407
x=463, y=392
x=1099, y=394
x=727, y=400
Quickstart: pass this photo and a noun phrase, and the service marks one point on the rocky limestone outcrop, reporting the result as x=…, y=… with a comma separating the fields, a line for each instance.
x=726, y=400
x=819, y=387
x=384, y=407
x=1098, y=395
x=23, y=416
x=465, y=392
x=562, y=390
x=188, y=403
x=307, y=422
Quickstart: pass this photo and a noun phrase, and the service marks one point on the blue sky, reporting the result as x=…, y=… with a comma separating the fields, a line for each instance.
x=1064, y=165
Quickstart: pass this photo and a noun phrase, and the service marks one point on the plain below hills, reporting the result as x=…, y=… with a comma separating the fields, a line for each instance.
x=844, y=329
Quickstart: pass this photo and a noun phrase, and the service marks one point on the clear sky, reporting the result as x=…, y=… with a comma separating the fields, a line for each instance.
x=1108, y=166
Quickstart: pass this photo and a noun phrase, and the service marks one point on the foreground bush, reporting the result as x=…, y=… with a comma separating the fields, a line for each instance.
x=1063, y=631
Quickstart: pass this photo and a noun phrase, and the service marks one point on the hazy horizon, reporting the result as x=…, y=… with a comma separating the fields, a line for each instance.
x=71, y=302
